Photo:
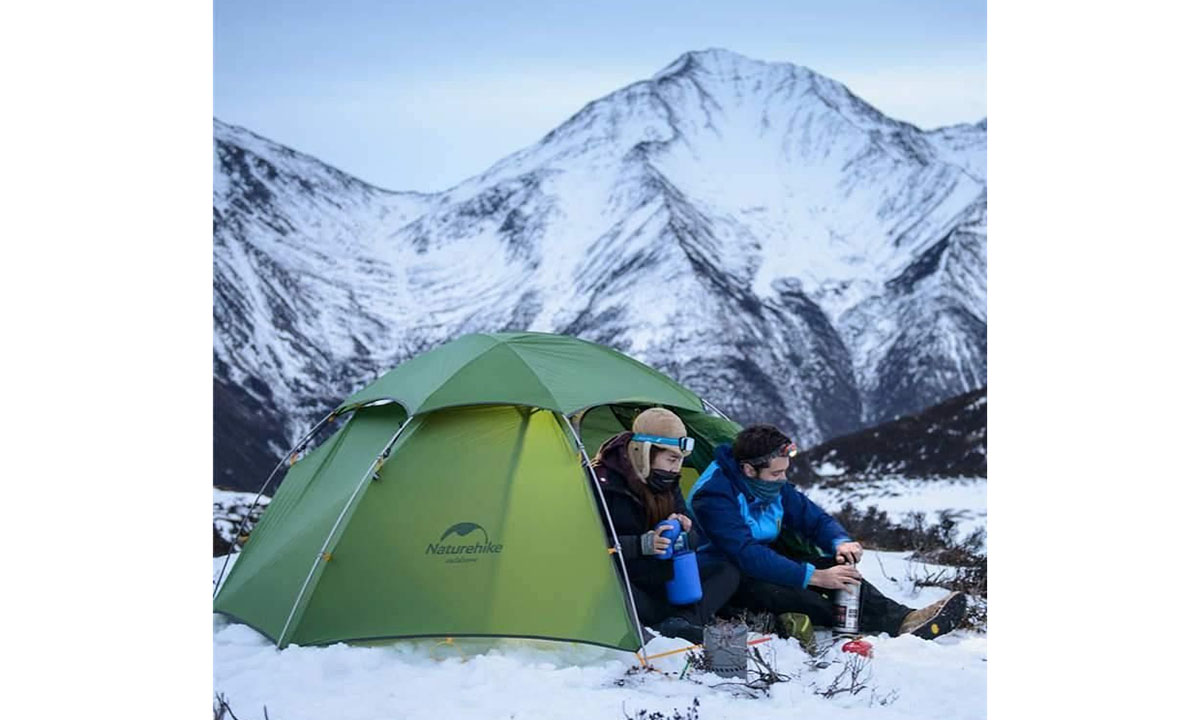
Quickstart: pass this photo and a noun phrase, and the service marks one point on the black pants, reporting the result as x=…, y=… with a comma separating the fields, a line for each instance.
x=718, y=580
x=879, y=613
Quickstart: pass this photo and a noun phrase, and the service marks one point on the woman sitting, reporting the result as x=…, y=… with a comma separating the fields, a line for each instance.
x=639, y=477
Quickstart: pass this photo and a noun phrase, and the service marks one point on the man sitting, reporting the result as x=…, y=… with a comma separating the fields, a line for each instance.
x=741, y=503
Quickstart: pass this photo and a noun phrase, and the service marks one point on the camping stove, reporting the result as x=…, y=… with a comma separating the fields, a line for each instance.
x=725, y=648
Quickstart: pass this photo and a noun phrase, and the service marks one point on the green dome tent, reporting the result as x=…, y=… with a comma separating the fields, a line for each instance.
x=455, y=501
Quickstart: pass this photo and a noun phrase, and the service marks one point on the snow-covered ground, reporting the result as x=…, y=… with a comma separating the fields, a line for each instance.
x=965, y=498
x=906, y=678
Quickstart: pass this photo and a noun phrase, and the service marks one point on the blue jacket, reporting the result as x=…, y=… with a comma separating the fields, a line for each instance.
x=735, y=524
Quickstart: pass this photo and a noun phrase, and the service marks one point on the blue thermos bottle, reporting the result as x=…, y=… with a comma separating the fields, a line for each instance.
x=684, y=588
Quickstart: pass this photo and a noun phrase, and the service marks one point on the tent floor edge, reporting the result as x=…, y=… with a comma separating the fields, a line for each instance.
x=428, y=636
x=234, y=618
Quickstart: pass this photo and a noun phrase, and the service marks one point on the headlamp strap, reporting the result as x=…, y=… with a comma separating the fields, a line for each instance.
x=788, y=449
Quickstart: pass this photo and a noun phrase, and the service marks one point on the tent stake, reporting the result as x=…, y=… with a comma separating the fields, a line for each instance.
x=336, y=523
x=624, y=572
x=238, y=533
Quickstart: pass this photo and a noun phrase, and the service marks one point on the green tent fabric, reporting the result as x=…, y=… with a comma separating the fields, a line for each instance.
x=709, y=431
x=543, y=370
x=458, y=506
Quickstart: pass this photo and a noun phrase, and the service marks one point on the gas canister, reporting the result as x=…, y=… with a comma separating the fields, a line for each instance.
x=846, y=604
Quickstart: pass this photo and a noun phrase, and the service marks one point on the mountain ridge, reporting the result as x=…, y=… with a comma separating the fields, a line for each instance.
x=787, y=264
x=948, y=439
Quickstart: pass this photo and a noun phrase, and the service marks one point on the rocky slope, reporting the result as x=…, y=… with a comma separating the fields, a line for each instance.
x=946, y=440
x=753, y=229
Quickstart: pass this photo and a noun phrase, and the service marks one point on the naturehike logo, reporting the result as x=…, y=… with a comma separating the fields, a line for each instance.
x=465, y=544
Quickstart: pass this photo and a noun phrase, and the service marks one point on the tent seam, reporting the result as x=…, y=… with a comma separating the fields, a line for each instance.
x=443, y=383
x=524, y=363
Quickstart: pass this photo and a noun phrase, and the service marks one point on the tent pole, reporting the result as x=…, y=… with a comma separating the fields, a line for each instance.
x=371, y=470
x=238, y=533
x=714, y=408
x=612, y=528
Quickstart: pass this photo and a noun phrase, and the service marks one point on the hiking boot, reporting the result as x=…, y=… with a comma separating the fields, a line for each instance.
x=677, y=627
x=760, y=621
x=799, y=626
x=937, y=619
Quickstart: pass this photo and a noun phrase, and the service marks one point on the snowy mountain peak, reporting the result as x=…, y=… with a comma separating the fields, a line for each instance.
x=717, y=105
x=723, y=64
x=753, y=229
x=725, y=73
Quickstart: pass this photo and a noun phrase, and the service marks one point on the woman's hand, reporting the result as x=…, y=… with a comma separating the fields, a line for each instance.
x=684, y=521
x=838, y=577
x=653, y=543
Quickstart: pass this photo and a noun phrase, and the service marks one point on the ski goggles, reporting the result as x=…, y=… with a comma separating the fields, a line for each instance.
x=788, y=449
x=684, y=443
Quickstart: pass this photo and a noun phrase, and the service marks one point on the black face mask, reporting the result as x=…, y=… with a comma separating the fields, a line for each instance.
x=661, y=480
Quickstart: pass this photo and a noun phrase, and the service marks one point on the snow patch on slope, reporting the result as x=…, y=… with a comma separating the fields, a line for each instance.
x=964, y=499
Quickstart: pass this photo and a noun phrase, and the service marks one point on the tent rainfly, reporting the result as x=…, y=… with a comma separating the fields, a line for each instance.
x=454, y=499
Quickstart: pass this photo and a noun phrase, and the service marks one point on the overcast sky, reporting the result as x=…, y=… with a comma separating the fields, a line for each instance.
x=422, y=95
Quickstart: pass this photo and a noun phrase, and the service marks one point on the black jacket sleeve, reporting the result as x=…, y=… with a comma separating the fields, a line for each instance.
x=629, y=520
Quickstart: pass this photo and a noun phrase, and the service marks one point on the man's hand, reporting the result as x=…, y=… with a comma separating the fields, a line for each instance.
x=849, y=553
x=838, y=577
x=684, y=521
